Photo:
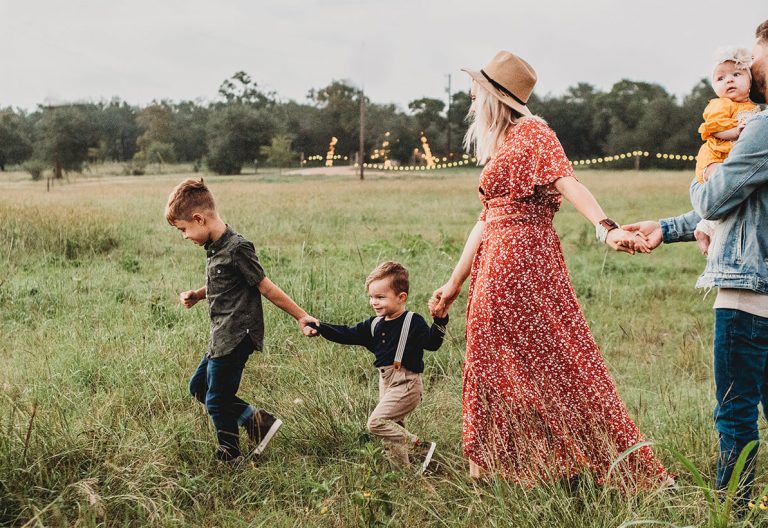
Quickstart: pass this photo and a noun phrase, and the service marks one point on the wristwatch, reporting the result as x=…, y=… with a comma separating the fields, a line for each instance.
x=603, y=227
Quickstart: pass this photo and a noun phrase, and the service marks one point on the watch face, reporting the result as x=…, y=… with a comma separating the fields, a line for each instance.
x=609, y=224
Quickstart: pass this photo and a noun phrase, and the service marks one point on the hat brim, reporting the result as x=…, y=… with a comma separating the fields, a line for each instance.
x=480, y=79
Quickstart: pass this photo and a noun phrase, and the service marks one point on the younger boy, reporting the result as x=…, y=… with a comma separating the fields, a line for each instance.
x=397, y=338
x=235, y=282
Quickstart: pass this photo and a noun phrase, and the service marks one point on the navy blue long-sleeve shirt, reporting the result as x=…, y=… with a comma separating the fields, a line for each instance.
x=383, y=341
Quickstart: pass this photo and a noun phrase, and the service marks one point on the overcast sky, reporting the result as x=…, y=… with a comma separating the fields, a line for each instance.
x=400, y=50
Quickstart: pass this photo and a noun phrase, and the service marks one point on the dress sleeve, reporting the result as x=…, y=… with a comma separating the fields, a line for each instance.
x=550, y=161
x=717, y=117
x=248, y=263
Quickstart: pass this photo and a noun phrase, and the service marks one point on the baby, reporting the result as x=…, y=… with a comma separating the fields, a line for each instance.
x=725, y=116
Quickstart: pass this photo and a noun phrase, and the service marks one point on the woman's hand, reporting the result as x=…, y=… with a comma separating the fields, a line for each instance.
x=443, y=298
x=621, y=240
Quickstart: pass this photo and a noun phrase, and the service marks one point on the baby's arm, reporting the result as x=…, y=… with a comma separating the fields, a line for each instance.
x=732, y=134
x=189, y=298
x=279, y=298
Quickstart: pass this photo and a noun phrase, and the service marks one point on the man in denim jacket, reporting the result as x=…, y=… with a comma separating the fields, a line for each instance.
x=737, y=195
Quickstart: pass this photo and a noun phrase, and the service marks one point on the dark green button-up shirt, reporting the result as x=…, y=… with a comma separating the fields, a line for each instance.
x=233, y=274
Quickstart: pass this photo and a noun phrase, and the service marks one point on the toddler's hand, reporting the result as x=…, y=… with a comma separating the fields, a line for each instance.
x=434, y=311
x=188, y=298
x=309, y=326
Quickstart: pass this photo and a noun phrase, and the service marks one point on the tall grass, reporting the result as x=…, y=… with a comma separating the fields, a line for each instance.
x=96, y=427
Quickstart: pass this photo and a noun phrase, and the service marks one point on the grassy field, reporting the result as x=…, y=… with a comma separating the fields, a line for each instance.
x=97, y=428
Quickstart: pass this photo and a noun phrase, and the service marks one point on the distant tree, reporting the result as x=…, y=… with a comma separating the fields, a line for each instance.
x=279, y=153
x=15, y=138
x=429, y=119
x=339, y=113
x=241, y=89
x=460, y=104
x=686, y=138
x=158, y=127
x=303, y=122
x=235, y=134
x=189, y=134
x=572, y=116
x=64, y=135
x=118, y=130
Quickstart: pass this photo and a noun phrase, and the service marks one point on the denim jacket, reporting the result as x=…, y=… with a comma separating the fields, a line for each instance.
x=737, y=196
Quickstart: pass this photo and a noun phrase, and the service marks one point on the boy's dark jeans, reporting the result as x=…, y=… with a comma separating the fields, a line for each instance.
x=215, y=383
x=741, y=382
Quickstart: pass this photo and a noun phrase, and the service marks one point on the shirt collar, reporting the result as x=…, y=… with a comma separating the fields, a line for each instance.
x=219, y=243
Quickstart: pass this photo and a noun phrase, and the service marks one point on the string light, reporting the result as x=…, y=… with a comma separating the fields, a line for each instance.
x=329, y=156
x=633, y=154
x=427, y=151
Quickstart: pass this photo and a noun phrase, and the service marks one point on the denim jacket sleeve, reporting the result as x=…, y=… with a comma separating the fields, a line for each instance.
x=744, y=171
x=679, y=228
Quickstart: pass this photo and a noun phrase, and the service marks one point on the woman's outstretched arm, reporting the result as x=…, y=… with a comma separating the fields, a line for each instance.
x=579, y=196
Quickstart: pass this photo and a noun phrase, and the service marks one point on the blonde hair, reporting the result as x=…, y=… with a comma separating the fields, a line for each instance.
x=488, y=125
x=395, y=271
x=187, y=198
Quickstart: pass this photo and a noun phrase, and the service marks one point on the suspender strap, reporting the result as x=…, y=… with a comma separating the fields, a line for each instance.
x=403, y=339
x=374, y=323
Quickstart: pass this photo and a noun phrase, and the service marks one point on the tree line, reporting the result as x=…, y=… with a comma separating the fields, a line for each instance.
x=247, y=125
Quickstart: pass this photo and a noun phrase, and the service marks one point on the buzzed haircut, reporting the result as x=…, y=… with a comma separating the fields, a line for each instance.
x=761, y=33
x=395, y=272
x=189, y=197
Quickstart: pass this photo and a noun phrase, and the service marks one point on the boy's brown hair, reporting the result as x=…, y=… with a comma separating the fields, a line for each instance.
x=761, y=33
x=189, y=197
x=396, y=272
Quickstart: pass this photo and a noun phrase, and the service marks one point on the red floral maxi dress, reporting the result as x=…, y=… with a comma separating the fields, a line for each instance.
x=538, y=401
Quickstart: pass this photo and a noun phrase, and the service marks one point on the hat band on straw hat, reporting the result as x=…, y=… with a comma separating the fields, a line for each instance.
x=501, y=88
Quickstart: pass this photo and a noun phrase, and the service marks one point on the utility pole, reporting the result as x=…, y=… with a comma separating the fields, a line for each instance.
x=448, y=114
x=361, y=149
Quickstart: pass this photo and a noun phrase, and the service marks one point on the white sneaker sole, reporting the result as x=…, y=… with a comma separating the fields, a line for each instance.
x=427, y=458
x=264, y=441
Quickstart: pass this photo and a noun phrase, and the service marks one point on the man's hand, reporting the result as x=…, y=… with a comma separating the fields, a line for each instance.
x=650, y=228
x=308, y=325
x=628, y=242
x=188, y=298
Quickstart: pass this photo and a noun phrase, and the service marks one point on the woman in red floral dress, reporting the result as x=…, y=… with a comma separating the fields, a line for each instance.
x=538, y=401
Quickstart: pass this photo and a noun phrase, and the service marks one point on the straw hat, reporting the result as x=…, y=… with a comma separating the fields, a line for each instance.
x=509, y=79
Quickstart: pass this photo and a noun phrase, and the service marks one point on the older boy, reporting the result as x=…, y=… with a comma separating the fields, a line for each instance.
x=235, y=282
x=397, y=339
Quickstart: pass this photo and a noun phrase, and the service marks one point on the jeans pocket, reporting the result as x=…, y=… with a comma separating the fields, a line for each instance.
x=760, y=331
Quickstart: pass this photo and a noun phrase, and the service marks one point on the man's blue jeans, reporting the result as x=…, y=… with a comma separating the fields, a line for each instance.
x=215, y=383
x=741, y=383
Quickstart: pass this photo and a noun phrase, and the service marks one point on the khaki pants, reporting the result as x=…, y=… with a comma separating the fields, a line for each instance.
x=399, y=394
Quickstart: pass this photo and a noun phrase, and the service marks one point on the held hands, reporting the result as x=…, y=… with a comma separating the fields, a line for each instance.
x=628, y=242
x=650, y=229
x=308, y=325
x=188, y=298
x=443, y=298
